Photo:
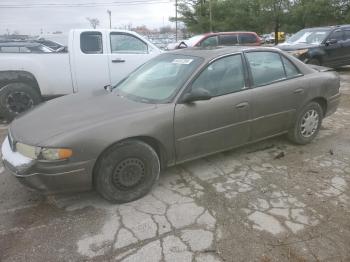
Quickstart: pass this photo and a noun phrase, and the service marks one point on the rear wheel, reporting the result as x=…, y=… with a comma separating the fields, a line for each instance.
x=16, y=98
x=127, y=171
x=307, y=125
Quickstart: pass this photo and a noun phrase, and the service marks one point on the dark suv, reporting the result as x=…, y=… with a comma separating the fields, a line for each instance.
x=327, y=46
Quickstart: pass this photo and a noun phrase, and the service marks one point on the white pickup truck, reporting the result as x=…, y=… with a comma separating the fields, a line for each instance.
x=95, y=58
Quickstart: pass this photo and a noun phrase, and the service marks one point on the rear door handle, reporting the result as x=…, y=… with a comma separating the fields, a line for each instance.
x=242, y=105
x=118, y=60
x=299, y=91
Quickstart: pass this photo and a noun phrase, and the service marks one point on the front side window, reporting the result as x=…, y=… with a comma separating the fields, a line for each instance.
x=160, y=79
x=91, y=42
x=336, y=35
x=210, y=41
x=125, y=43
x=266, y=67
x=223, y=76
x=347, y=34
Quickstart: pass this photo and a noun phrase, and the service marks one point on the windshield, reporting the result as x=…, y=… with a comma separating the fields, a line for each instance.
x=308, y=36
x=193, y=40
x=158, y=80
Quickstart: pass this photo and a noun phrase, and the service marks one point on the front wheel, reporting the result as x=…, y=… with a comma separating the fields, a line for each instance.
x=307, y=125
x=126, y=171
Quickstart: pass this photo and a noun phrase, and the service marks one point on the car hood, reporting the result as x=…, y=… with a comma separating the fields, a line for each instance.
x=293, y=47
x=72, y=112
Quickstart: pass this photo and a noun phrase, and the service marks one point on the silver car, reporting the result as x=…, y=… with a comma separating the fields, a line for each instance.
x=177, y=107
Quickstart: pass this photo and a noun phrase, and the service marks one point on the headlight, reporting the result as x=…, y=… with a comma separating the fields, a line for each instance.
x=300, y=52
x=56, y=153
x=34, y=152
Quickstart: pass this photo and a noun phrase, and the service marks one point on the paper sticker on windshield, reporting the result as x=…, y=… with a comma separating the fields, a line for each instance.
x=182, y=61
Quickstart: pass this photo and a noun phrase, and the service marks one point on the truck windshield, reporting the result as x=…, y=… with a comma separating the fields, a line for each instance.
x=160, y=79
x=309, y=36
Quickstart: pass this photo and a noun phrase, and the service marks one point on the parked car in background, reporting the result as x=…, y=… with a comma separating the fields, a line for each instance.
x=96, y=58
x=24, y=47
x=327, y=46
x=179, y=106
x=220, y=38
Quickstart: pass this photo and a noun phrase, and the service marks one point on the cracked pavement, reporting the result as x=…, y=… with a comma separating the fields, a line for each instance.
x=270, y=201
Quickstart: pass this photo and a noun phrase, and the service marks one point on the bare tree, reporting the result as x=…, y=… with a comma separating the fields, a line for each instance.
x=94, y=22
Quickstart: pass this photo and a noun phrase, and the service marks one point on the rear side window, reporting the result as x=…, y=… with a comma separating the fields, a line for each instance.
x=291, y=70
x=91, y=42
x=228, y=39
x=266, y=67
x=247, y=38
x=124, y=43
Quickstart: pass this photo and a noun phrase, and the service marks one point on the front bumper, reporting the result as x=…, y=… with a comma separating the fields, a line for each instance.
x=48, y=177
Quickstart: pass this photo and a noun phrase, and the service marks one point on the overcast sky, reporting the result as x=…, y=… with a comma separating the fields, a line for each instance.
x=32, y=20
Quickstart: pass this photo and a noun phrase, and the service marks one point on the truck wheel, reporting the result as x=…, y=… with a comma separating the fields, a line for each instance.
x=126, y=171
x=307, y=125
x=15, y=98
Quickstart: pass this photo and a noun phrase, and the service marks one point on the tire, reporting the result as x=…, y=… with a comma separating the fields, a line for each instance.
x=314, y=61
x=16, y=98
x=112, y=173
x=307, y=125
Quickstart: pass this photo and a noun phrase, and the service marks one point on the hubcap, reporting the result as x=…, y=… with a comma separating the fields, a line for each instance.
x=18, y=102
x=129, y=173
x=309, y=123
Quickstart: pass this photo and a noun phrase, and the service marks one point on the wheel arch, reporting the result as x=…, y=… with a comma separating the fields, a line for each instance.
x=18, y=76
x=322, y=102
x=151, y=141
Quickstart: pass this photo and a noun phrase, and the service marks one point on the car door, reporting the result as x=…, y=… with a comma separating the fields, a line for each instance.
x=209, y=126
x=277, y=93
x=89, y=61
x=127, y=52
x=334, y=50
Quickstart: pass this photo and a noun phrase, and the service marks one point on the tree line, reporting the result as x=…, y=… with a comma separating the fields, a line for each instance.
x=261, y=16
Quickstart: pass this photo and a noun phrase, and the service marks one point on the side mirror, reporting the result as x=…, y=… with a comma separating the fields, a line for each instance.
x=197, y=94
x=331, y=41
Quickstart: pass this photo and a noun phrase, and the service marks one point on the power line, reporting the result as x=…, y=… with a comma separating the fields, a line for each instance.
x=90, y=4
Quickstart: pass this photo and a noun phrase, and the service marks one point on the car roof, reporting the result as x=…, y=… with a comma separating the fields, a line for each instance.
x=228, y=33
x=210, y=53
x=327, y=27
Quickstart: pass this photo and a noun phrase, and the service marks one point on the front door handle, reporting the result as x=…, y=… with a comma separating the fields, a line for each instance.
x=118, y=60
x=299, y=91
x=242, y=105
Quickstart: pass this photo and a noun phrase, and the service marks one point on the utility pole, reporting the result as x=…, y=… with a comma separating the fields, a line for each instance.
x=210, y=17
x=176, y=20
x=110, y=18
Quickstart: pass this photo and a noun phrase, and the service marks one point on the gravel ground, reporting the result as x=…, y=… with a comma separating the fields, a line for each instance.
x=271, y=201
